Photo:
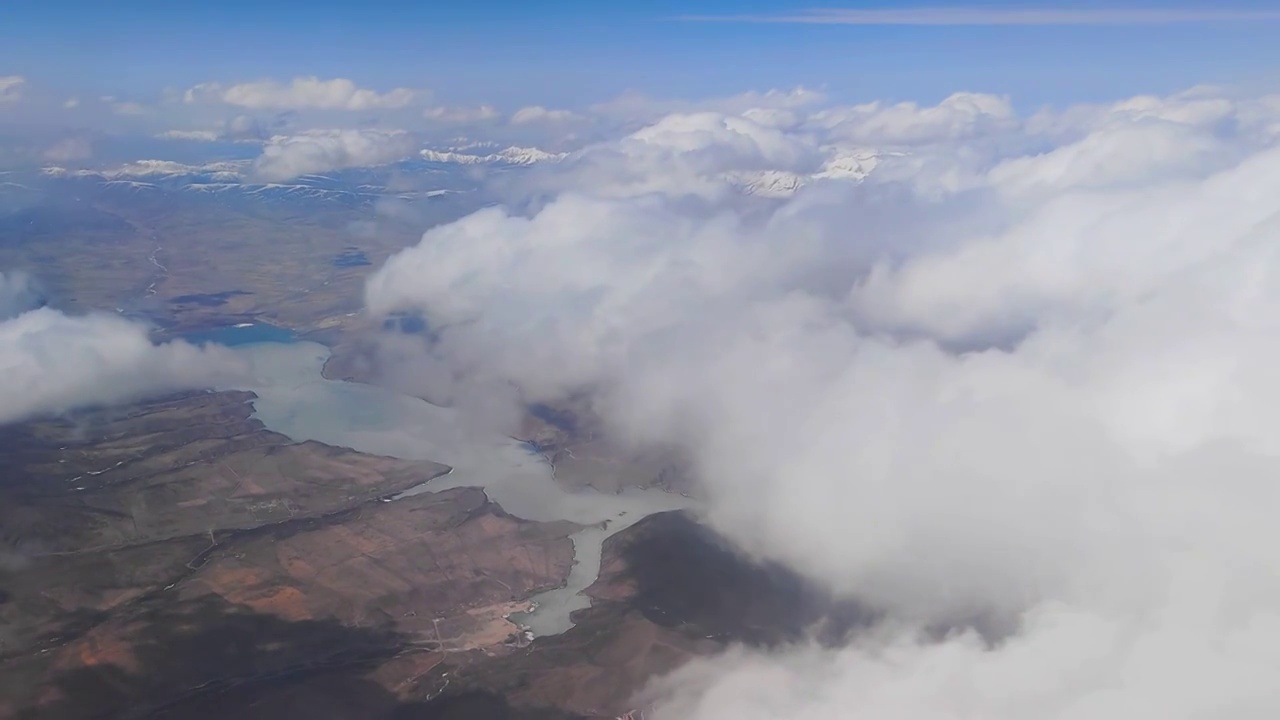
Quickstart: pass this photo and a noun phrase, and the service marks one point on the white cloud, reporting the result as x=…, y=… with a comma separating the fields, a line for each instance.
x=1021, y=373
x=690, y=154
x=539, y=114
x=732, y=137
x=318, y=151
x=1192, y=107
x=71, y=103
x=794, y=99
x=970, y=16
x=196, y=135
x=461, y=115
x=55, y=362
x=1064, y=664
x=241, y=128
x=960, y=116
x=1117, y=155
x=11, y=87
x=303, y=93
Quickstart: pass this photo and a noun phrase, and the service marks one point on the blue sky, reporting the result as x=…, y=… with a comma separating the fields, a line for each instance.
x=573, y=53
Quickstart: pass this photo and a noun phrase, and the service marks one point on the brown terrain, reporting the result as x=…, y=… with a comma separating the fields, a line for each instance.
x=189, y=263
x=669, y=590
x=176, y=560
x=108, y=546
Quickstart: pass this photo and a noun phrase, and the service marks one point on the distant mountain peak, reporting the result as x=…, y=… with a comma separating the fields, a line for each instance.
x=230, y=171
x=842, y=163
x=508, y=156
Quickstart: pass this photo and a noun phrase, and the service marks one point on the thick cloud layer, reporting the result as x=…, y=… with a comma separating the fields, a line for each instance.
x=317, y=151
x=1020, y=376
x=52, y=362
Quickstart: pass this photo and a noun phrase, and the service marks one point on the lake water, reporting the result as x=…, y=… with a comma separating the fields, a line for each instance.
x=243, y=334
x=295, y=400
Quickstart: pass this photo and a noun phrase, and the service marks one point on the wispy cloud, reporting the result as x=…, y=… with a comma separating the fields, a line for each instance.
x=11, y=87
x=974, y=16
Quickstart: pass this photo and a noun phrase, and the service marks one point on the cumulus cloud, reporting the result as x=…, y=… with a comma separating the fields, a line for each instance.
x=690, y=154
x=11, y=87
x=192, y=135
x=539, y=114
x=318, y=151
x=54, y=362
x=563, y=130
x=960, y=116
x=461, y=115
x=1020, y=378
x=733, y=140
x=302, y=93
x=241, y=128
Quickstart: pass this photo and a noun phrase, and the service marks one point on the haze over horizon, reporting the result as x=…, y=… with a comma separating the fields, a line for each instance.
x=969, y=314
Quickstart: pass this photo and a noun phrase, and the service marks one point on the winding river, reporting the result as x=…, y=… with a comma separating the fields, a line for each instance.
x=295, y=400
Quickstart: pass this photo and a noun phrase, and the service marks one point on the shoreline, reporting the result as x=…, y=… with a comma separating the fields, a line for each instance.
x=296, y=400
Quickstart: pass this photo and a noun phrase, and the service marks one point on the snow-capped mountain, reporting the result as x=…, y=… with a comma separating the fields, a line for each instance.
x=413, y=180
x=766, y=183
x=433, y=174
x=848, y=164
x=220, y=172
x=508, y=156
